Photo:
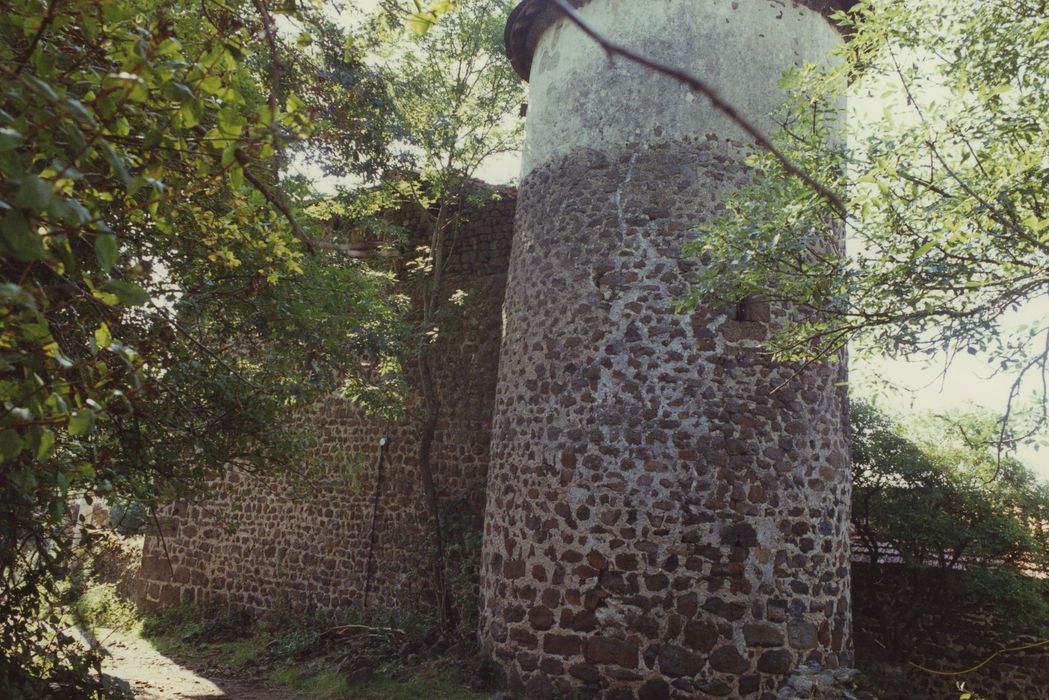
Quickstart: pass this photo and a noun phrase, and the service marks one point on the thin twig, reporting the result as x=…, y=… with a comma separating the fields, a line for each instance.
x=45, y=24
x=340, y=630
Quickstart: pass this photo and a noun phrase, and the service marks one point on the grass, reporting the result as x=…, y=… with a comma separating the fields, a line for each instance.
x=286, y=653
x=102, y=606
x=447, y=685
x=323, y=684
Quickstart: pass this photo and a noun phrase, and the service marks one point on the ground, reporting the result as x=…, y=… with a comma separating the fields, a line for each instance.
x=194, y=652
x=177, y=666
x=153, y=676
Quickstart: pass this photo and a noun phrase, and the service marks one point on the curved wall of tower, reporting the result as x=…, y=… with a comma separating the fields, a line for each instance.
x=667, y=508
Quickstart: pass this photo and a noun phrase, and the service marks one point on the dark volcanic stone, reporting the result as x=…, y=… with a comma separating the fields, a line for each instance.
x=779, y=662
x=604, y=650
x=654, y=690
x=728, y=660
x=802, y=635
x=675, y=661
x=701, y=636
x=759, y=635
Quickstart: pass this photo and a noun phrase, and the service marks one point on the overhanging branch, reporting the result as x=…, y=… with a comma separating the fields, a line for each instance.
x=719, y=103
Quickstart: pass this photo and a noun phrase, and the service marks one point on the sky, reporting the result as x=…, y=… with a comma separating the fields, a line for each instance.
x=920, y=388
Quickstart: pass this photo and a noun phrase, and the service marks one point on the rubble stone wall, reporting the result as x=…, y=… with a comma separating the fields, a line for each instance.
x=279, y=543
x=271, y=546
x=948, y=641
x=667, y=507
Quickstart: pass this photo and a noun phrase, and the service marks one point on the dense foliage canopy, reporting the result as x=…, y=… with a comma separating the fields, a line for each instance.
x=163, y=309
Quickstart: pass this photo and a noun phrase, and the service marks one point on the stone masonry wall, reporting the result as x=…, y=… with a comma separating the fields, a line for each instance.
x=965, y=640
x=667, y=507
x=272, y=545
x=268, y=546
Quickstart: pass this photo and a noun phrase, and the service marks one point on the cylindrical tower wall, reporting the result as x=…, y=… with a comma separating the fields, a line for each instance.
x=667, y=508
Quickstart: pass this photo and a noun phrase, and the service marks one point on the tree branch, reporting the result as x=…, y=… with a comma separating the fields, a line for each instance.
x=276, y=200
x=697, y=85
x=45, y=24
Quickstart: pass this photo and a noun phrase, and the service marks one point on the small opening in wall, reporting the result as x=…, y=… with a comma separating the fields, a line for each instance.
x=741, y=310
x=752, y=309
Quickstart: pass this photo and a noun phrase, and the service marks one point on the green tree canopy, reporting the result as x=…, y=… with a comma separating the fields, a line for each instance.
x=947, y=187
x=968, y=530
x=163, y=311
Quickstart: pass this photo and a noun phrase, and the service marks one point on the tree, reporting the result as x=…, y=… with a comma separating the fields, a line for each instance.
x=162, y=312
x=930, y=507
x=947, y=191
x=454, y=97
x=455, y=93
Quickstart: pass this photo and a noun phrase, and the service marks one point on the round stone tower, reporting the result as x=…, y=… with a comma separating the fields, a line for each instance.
x=667, y=508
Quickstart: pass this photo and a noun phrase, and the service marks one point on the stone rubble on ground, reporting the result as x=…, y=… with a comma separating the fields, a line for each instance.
x=812, y=682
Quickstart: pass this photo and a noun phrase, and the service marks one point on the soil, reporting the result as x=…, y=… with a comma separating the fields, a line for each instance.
x=153, y=676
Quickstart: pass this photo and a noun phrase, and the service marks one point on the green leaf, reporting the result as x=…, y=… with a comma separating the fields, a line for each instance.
x=129, y=294
x=46, y=448
x=116, y=161
x=80, y=111
x=9, y=139
x=71, y=211
x=34, y=193
x=212, y=84
x=294, y=104
x=229, y=154
x=153, y=139
x=230, y=123
x=180, y=93
x=11, y=293
x=923, y=250
x=43, y=87
x=82, y=422
x=24, y=244
x=106, y=252
x=189, y=115
x=60, y=357
x=11, y=444
x=103, y=336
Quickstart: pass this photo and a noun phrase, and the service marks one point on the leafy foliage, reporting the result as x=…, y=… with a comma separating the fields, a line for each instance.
x=160, y=316
x=454, y=97
x=969, y=530
x=945, y=179
x=455, y=93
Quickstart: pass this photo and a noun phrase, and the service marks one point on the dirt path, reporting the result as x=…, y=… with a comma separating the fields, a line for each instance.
x=154, y=676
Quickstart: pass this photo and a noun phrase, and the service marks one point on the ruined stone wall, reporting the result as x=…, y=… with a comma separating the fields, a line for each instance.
x=962, y=640
x=678, y=575
x=667, y=508
x=280, y=543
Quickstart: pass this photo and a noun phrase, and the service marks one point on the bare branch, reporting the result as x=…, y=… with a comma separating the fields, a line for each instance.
x=682, y=76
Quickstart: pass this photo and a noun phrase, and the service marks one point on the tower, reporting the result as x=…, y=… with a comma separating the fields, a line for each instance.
x=667, y=508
